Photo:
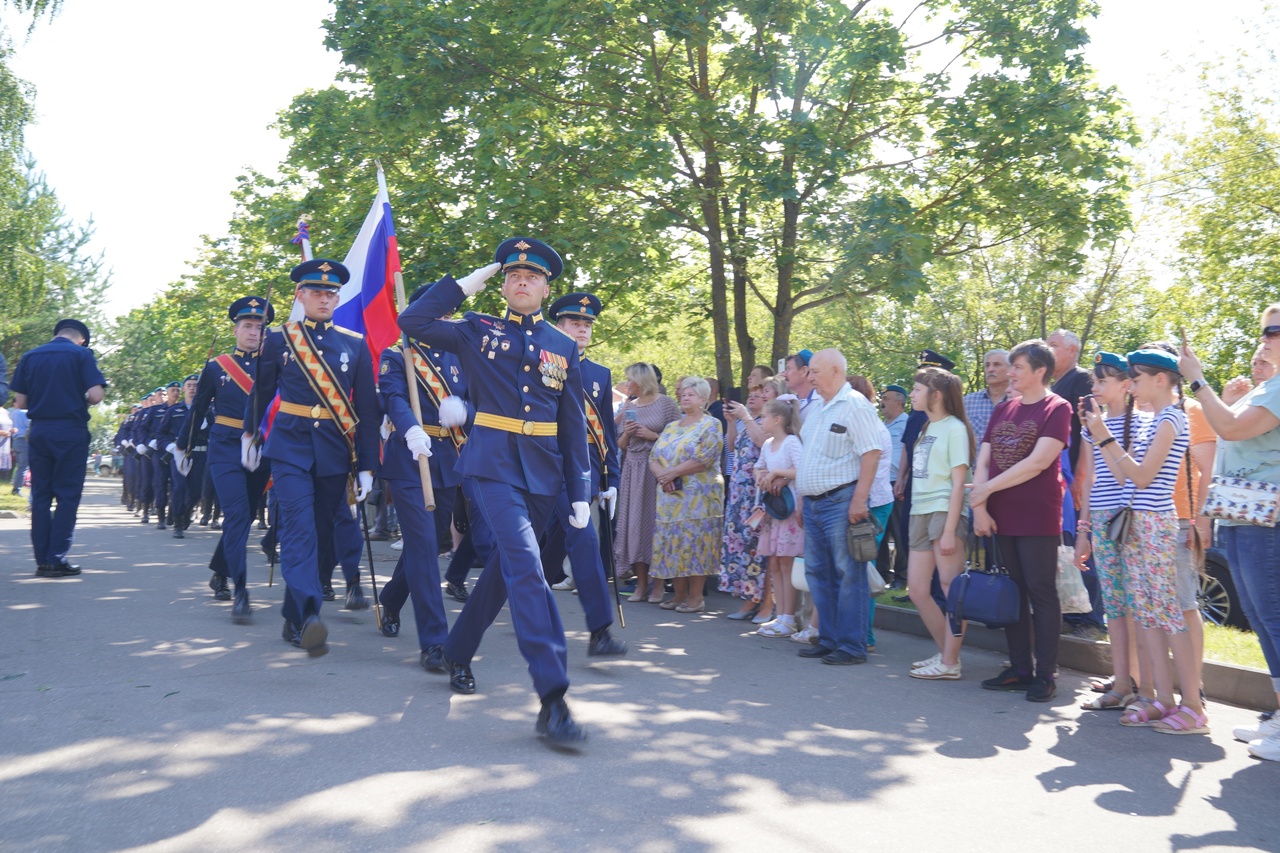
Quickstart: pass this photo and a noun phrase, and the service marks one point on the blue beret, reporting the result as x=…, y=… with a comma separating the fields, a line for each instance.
x=73, y=324
x=253, y=307
x=930, y=358
x=320, y=274
x=1155, y=358
x=192, y=377
x=898, y=388
x=585, y=306
x=173, y=384
x=531, y=253
x=805, y=356
x=1110, y=359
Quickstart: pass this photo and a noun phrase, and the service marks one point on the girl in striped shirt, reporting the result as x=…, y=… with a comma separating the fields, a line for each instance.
x=1148, y=554
x=1104, y=496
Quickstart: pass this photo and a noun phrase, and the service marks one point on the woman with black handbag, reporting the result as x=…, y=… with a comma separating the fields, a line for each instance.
x=1249, y=464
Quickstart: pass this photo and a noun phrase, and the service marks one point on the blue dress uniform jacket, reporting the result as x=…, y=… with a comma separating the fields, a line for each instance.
x=492, y=350
x=54, y=378
x=597, y=387
x=220, y=399
x=393, y=390
x=319, y=444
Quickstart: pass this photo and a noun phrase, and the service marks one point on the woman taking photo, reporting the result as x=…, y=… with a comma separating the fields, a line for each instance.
x=640, y=421
x=1249, y=448
x=740, y=566
x=685, y=462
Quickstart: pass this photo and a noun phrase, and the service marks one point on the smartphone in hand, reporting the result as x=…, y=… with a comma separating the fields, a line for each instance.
x=630, y=415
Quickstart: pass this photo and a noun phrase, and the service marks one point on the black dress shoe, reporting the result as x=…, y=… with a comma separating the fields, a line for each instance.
x=217, y=525
x=161, y=526
x=378, y=536
x=204, y=522
x=432, y=660
x=178, y=534
x=57, y=570
x=326, y=592
x=312, y=636
x=814, y=652
x=146, y=517
x=356, y=599
x=603, y=644
x=129, y=508
x=556, y=724
x=240, y=612
x=218, y=583
x=460, y=678
x=456, y=591
x=291, y=633
x=390, y=624
x=843, y=658
x=268, y=546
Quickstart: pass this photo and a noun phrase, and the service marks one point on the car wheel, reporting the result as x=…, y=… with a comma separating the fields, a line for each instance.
x=1218, y=599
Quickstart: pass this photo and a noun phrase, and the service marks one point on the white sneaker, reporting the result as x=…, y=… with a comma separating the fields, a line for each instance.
x=807, y=636
x=921, y=664
x=397, y=545
x=937, y=672
x=1267, y=748
x=564, y=585
x=1265, y=727
x=777, y=628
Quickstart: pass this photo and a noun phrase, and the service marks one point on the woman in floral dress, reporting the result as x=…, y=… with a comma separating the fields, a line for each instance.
x=741, y=570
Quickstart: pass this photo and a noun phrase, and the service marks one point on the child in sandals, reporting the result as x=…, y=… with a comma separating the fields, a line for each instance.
x=1104, y=497
x=937, y=527
x=1148, y=553
x=781, y=540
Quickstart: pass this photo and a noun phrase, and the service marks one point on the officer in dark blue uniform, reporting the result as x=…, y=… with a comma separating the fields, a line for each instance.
x=160, y=480
x=527, y=446
x=326, y=424
x=56, y=383
x=124, y=447
x=417, y=573
x=140, y=438
x=224, y=387
x=170, y=426
x=575, y=315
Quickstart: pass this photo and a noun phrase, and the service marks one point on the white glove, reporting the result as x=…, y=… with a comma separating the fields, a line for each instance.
x=453, y=412
x=385, y=429
x=171, y=448
x=610, y=498
x=364, y=485
x=581, y=514
x=184, y=461
x=474, y=283
x=152, y=444
x=419, y=442
x=250, y=453
x=143, y=449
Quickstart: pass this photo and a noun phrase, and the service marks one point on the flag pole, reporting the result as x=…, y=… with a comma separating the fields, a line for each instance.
x=411, y=375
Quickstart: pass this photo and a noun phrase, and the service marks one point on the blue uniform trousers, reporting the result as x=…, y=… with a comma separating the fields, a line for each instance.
x=307, y=504
x=417, y=572
x=184, y=495
x=588, y=571
x=58, y=452
x=446, y=498
x=514, y=569
x=239, y=492
x=343, y=548
x=144, y=478
x=476, y=543
x=159, y=482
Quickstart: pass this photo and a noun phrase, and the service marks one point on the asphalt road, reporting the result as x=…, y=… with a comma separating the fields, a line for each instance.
x=135, y=715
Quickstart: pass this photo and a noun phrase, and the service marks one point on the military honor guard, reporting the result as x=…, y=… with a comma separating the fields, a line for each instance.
x=527, y=446
x=57, y=383
x=575, y=315
x=161, y=484
x=180, y=496
x=417, y=573
x=326, y=431
x=140, y=442
x=224, y=387
x=125, y=449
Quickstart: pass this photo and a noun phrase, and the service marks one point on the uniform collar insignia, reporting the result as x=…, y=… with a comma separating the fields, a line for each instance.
x=518, y=319
x=238, y=353
x=316, y=324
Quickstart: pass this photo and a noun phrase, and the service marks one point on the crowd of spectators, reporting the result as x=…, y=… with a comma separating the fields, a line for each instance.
x=768, y=499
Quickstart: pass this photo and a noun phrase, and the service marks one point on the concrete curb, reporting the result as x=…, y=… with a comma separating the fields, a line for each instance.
x=1224, y=682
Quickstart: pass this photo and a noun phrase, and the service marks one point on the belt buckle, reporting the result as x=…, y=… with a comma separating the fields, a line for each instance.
x=527, y=427
x=315, y=412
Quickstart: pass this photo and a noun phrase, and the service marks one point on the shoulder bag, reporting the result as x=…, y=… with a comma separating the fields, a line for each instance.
x=989, y=597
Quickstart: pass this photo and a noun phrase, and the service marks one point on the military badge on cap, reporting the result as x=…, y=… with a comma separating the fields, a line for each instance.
x=251, y=307
x=530, y=253
x=320, y=274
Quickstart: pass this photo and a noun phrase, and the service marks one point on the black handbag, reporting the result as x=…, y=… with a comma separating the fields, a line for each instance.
x=977, y=595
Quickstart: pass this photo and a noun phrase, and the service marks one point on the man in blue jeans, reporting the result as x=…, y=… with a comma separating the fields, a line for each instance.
x=841, y=451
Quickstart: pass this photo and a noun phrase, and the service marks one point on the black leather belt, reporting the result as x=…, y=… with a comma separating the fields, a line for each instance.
x=831, y=492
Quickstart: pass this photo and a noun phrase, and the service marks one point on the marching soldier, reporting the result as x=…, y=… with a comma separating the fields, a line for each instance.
x=417, y=573
x=142, y=435
x=125, y=448
x=575, y=315
x=170, y=427
x=327, y=422
x=225, y=385
x=56, y=383
x=160, y=479
x=527, y=447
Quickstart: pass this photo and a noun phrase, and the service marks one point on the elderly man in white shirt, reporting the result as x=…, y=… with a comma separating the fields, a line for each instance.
x=841, y=453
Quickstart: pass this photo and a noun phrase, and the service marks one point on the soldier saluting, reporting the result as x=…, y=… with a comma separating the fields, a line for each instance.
x=527, y=446
x=327, y=424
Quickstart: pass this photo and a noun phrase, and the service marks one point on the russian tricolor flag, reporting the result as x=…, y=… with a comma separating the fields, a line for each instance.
x=367, y=302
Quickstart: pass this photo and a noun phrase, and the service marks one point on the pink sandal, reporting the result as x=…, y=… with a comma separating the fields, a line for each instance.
x=1145, y=712
x=1183, y=721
